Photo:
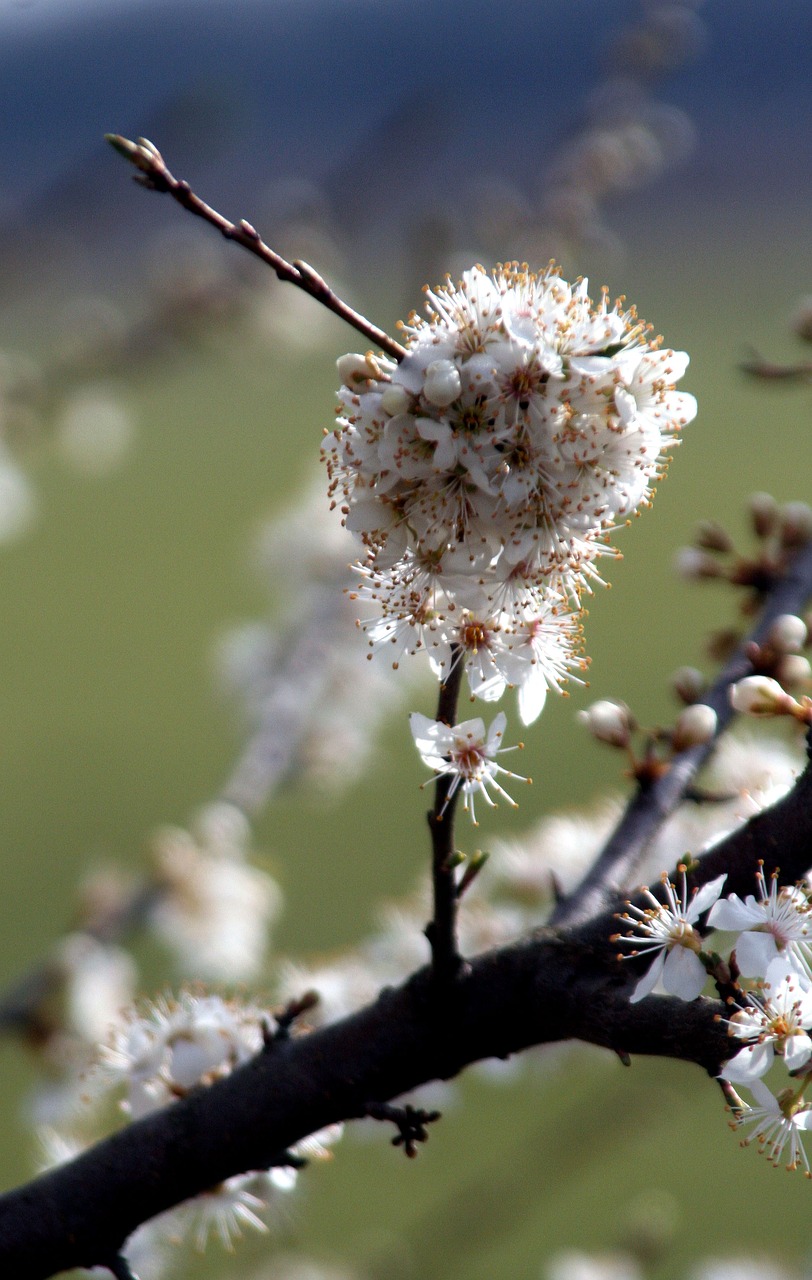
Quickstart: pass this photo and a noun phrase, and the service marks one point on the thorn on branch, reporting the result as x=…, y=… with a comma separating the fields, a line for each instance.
x=119, y=1267
x=409, y=1121
x=279, y=1029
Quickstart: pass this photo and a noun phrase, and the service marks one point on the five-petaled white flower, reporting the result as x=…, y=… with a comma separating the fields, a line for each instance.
x=465, y=753
x=778, y=1016
x=778, y=1123
x=777, y=923
x=667, y=930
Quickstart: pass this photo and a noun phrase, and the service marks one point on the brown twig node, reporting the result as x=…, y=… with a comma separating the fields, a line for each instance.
x=409, y=1121
x=154, y=174
x=279, y=1029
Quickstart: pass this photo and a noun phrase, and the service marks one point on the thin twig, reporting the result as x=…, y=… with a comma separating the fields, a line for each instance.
x=154, y=175
x=654, y=802
x=757, y=366
x=442, y=929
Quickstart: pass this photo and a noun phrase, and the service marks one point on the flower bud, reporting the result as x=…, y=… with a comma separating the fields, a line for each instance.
x=695, y=725
x=442, y=383
x=759, y=696
x=794, y=671
x=692, y=564
x=609, y=722
x=713, y=537
x=395, y=399
x=788, y=633
x=796, y=524
x=763, y=513
x=355, y=369
x=688, y=684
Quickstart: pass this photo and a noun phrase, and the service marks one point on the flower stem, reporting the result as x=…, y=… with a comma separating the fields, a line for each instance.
x=442, y=929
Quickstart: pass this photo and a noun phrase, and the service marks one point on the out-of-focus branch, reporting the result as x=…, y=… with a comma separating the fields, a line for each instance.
x=22, y=1003
x=154, y=174
x=654, y=801
x=757, y=366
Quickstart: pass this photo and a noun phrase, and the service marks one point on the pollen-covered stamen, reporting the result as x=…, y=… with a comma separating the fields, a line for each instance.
x=666, y=930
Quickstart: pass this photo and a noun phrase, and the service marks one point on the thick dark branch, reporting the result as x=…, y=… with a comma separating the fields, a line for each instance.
x=653, y=803
x=543, y=989
x=154, y=175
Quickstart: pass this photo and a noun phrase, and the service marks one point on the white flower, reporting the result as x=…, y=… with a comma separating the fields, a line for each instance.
x=777, y=1019
x=176, y=1045
x=779, y=1122
x=224, y=1211
x=668, y=930
x=466, y=754
x=776, y=923
x=522, y=425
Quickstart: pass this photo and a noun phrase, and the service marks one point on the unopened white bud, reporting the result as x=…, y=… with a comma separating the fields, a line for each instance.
x=688, y=684
x=763, y=512
x=794, y=671
x=609, y=722
x=354, y=369
x=442, y=383
x=788, y=633
x=796, y=524
x=395, y=400
x=692, y=563
x=695, y=725
x=759, y=696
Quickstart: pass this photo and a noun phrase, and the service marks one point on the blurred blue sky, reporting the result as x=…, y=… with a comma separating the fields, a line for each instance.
x=382, y=105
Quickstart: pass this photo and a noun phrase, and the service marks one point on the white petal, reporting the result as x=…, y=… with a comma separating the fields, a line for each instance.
x=684, y=973
x=706, y=896
x=750, y=1063
x=797, y=1052
x=649, y=980
x=754, y=952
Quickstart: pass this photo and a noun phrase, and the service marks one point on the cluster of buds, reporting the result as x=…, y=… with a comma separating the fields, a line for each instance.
x=484, y=471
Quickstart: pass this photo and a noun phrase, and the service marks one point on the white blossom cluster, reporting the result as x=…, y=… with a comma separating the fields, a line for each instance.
x=156, y=1056
x=773, y=1021
x=484, y=472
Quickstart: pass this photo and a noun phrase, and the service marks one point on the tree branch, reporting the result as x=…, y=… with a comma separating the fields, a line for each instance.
x=154, y=175
x=654, y=802
x=539, y=990
x=554, y=985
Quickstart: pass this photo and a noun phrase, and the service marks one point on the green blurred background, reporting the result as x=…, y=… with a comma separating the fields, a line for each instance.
x=113, y=601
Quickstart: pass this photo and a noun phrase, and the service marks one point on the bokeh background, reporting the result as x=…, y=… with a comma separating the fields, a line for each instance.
x=663, y=148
